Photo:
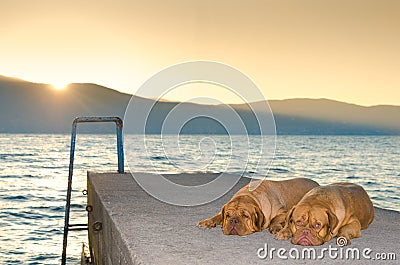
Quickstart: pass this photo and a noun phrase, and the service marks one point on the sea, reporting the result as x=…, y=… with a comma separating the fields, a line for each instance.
x=34, y=173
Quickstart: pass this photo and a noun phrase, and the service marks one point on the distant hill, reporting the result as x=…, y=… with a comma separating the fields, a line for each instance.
x=38, y=108
x=324, y=116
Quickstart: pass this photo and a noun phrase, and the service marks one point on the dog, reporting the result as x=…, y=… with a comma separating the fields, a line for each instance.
x=267, y=205
x=339, y=209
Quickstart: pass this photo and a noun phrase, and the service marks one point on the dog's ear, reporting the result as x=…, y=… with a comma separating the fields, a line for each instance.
x=259, y=221
x=332, y=223
x=289, y=215
x=286, y=231
x=222, y=216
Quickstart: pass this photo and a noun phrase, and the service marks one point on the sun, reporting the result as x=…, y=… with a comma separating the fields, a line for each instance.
x=60, y=85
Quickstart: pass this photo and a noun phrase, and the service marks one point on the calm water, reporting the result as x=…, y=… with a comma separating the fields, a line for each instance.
x=34, y=170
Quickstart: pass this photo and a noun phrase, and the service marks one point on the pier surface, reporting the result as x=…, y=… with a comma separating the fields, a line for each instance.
x=128, y=226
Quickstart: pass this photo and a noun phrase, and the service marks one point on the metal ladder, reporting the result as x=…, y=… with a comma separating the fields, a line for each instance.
x=120, y=151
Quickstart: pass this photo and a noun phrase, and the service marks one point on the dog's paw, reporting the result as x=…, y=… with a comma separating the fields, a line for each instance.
x=283, y=234
x=274, y=229
x=207, y=223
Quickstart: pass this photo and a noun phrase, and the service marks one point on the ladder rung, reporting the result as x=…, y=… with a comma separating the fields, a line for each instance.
x=72, y=225
x=77, y=227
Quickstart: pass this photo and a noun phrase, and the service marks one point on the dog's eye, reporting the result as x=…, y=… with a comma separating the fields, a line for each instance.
x=299, y=223
x=227, y=215
x=246, y=216
x=317, y=225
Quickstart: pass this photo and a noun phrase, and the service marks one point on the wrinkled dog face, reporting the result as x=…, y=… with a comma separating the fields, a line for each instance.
x=241, y=216
x=311, y=226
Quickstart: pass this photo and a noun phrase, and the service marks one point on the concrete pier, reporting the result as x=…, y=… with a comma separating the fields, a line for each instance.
x=128, y=226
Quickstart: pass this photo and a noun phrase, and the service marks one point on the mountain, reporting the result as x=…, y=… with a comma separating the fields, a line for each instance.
x=39, y=108
x=324, y=116
x=27, y=107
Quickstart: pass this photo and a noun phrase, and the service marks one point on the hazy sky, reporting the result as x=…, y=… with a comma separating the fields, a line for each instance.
x=347, y=50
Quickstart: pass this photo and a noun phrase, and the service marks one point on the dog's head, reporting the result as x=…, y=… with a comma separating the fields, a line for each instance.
x=242, y=216
x=311, y=225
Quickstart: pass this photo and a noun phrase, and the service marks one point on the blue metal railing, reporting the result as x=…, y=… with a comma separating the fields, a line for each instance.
x=120, y=151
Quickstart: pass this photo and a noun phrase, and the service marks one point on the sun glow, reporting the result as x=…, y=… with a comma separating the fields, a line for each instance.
x=60, y=85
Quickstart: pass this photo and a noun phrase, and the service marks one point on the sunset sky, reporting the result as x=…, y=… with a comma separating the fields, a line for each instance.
x=347, y=50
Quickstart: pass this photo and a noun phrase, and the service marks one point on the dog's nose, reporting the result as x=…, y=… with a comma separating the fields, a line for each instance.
x=234, y=221
x=306, y=232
